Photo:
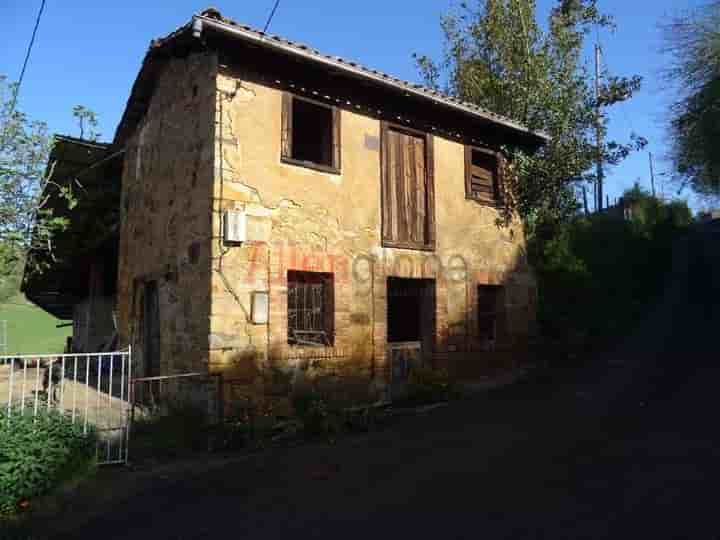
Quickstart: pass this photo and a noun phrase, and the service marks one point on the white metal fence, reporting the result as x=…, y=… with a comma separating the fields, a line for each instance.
x=90, y=388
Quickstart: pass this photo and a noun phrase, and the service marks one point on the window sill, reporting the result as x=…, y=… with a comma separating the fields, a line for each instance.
x=310, y=165
x=415, y=247
x=497, y=205
x=312, y=347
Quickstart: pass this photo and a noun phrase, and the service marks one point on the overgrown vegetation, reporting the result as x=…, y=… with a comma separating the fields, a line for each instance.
x=39, y=453
x=693, y=43
x=499, y=56
x=182, y=428
x=598, y=274
x=427, y=385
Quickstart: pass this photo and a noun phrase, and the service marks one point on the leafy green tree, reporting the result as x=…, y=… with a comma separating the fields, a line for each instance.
x=693, y=43
x=87, y=119
x=26, y=221
x=498, y=56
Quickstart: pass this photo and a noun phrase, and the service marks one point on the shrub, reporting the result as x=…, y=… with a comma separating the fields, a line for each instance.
x=597, y=275
x=181, y=428
x=427, y=385
x=318, y=417
x=38, y=453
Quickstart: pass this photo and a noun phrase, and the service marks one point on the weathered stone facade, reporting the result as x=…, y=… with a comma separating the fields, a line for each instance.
x=166, y=215
x=211, y=141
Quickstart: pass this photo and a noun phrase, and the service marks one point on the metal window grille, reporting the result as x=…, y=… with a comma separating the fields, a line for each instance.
x=308, y=309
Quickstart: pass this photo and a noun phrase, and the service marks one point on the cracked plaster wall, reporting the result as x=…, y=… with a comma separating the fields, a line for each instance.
x=302, y=219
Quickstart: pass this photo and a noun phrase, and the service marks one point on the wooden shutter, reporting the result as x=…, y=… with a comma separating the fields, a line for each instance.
x=407, y=189
x=500, y=184
x=430, y=180
x=336, y=143
x=286, y=130
x=481, y=175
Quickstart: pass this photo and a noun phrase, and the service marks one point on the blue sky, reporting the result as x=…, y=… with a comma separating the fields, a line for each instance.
x=90, y=52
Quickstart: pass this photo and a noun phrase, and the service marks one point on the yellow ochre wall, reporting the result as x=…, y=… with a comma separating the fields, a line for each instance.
x=303, y=219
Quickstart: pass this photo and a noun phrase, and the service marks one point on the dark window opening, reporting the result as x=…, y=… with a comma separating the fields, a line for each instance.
x=489, y=307
x=410, y=310
x=311, y=310
x=312, y=133
x=482, y=175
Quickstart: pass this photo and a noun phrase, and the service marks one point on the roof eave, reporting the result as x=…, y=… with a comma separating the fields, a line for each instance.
x=200, y=22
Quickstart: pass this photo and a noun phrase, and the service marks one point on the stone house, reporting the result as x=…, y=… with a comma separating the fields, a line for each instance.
x=285, y=211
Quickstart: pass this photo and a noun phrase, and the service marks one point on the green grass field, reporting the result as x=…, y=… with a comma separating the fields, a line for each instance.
x=30, y=330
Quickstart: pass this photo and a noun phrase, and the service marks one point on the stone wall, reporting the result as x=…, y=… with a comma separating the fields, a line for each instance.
x=303, y=219
x=166, y=215
x=210, y=142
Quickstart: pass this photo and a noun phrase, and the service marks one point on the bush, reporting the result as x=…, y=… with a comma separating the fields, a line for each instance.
x=427, y=385
x=318, y=418
x=181, y=428
x=597, y=275
x=39, y=453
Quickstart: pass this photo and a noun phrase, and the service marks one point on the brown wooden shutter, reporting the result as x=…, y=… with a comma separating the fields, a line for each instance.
x=384, y=180
x=430, y=187
x=408, y=201
x=419, y=199
x=500, y=186
x=337, y=138
x=468, y=172
x=286, y=131
x=482, y=168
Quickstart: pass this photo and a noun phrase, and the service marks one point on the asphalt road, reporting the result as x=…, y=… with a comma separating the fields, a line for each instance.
x=627, y=448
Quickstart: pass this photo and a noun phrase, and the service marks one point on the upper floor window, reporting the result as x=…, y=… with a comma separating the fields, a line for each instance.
x=408, y=192
x=310, y=134
x=482, y=175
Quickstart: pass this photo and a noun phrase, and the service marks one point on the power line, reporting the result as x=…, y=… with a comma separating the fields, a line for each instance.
x=272, y=14
x=27, y=58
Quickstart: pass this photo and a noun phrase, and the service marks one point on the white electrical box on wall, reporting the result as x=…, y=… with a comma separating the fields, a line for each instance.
x=234, y=226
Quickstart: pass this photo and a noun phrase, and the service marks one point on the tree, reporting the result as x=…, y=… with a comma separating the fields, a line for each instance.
x=25, y=221
x=86, y=119
x=497, y=56
x=693, y=44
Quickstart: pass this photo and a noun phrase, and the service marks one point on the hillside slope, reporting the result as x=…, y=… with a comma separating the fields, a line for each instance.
x=30, y=330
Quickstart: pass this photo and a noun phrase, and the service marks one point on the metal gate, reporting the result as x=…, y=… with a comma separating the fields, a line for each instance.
x=92, y=389
x=403, y=357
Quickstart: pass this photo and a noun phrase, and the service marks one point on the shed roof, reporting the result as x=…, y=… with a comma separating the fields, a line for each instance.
x=91, y=170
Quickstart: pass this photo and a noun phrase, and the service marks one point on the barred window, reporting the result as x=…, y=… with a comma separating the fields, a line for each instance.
x=311, y=309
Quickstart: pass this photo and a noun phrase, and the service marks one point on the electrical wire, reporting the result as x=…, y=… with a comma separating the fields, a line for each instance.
x=272, y=14
x=25, y=62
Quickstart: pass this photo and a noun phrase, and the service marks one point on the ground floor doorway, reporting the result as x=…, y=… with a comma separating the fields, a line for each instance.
x=410, y=327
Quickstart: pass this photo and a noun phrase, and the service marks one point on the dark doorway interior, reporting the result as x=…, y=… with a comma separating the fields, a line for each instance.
x=151, y=329
x=411, y=311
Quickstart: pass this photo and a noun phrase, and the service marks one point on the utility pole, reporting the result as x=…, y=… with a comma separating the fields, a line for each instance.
x=585, y=202
x=598, y=130
x=652, y=175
